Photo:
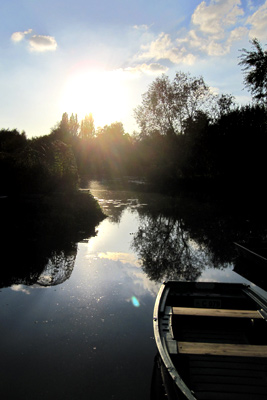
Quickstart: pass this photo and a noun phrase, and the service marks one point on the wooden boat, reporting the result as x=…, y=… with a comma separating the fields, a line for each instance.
x=211, y=340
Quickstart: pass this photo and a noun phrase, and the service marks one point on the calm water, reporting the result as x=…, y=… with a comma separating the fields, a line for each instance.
x=83, y=327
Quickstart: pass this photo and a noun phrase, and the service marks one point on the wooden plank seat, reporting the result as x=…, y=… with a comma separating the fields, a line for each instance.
x=215, y=312
x=221, y=349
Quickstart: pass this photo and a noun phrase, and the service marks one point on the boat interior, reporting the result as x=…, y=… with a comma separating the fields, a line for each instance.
x=218, y=344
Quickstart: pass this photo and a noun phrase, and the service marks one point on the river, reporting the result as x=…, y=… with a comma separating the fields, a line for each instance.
x=82, y=328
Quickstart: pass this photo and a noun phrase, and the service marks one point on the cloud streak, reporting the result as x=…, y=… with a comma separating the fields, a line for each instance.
x=152, y=68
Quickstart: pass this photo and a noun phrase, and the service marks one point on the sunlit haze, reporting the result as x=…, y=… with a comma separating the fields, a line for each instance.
x=102, y=93
x=99, y=57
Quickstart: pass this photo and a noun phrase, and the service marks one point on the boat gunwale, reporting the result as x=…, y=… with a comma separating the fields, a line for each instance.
x=161, y=344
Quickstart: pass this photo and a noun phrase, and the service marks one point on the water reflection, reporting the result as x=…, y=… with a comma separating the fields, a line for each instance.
x=170, y=238
x=43, y=263
x=167, y=251
x=79, y=310
x=184, y=237
x=58, y=269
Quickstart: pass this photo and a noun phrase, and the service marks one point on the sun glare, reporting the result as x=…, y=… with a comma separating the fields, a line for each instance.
x=102, y=93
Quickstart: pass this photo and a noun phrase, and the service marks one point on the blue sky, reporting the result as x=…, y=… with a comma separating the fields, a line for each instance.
x=100, y=56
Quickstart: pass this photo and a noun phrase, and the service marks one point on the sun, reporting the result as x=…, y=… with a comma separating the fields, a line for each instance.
x=102, y=93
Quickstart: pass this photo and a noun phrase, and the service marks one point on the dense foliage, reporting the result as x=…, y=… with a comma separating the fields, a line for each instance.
x=39, y=190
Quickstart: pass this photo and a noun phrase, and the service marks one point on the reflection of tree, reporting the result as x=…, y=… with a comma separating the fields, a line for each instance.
x=45, y=262
x=58, y=269
x=166, y=250
x=38, y=241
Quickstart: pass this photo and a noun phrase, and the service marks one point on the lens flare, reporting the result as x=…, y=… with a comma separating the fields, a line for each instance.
x=135, y=301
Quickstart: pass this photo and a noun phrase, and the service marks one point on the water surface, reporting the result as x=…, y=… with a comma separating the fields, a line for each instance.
x=83, y=327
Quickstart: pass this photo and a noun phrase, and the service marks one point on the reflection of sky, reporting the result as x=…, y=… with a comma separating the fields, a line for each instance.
x=111, y=249
x=114, y=237
x=87, y=335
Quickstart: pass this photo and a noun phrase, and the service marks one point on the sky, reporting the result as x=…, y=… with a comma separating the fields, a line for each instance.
x=99, y=57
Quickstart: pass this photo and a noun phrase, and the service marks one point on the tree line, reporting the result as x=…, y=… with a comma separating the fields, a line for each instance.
x=187, y=134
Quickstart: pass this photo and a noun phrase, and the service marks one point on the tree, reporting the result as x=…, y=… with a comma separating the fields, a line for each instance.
x=74, y=125
x=64, y=123
x=255, y=69
x=166, y=105
x=225, y=104
x=11, y=141
x=112, y=133
x=87, y=127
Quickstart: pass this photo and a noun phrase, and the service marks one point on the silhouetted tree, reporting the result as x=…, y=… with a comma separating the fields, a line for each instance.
x=11, y=143
x=225, y=104
x=62, y=130
x=46, y=165
x=11, y=140
x=64, y=123
x=74, y=125
x=166, y=105
x=255, y=70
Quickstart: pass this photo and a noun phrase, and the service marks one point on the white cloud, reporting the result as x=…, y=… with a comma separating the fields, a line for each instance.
x=258, y=22
x=237, y=34
x=212, y=19
x=18, y=36
x=216, y=26
x=213, y=47
x=164, y=48
x=39, y=43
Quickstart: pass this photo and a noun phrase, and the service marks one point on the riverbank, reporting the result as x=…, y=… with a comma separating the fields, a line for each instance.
x=65, y=214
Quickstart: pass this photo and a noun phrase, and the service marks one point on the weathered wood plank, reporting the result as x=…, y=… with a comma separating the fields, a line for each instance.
x=210, y=312
x=240, y=350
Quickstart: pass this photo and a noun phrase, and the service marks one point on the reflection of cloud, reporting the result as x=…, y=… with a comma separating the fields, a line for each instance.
x=220, y=275
x=125, y=258
x=20, y=288
x=132, y=268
